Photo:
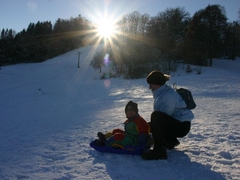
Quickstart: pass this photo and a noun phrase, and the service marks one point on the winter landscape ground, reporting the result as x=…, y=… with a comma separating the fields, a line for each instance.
x=51, y=111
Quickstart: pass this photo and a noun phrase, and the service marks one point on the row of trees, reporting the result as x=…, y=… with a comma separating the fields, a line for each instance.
x=160, y=42
x=42, y=40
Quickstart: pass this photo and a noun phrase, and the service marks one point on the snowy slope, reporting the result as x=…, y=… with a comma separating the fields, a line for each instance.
x=51, y=111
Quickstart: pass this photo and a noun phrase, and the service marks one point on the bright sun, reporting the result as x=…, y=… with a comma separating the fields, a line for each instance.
x=106, y=28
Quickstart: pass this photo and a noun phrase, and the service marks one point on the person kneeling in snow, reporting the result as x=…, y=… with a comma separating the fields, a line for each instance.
x=170, y=118
x=136, y=130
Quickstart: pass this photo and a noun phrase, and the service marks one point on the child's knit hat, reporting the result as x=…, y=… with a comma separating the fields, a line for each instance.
x=131, y=106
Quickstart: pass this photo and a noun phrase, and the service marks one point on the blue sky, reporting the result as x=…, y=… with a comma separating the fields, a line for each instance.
x=17, y=14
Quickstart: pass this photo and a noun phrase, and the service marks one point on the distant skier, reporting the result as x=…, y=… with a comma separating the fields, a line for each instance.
x=136, y=130
x=170, y=118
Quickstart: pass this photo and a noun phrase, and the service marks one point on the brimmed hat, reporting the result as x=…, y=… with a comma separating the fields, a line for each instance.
x=131, y=106
x=157, y=77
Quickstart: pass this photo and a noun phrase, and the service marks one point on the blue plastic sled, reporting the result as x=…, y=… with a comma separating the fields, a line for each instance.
x=132, y=150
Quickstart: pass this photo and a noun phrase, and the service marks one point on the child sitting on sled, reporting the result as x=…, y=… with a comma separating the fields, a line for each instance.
x=136, y=130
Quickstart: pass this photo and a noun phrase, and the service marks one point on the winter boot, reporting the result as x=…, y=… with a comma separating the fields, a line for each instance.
x=172, y=143
x=98, y=142
x=155, y=154
x=159, y=152
x=101, y=136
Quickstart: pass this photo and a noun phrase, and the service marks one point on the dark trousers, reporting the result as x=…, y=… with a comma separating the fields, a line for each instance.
x=165, y=127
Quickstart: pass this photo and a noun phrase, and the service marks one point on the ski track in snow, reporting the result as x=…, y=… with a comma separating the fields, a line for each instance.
x=51, y=111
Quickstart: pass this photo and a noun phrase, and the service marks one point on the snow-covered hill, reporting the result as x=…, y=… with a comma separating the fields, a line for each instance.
x=51, y=111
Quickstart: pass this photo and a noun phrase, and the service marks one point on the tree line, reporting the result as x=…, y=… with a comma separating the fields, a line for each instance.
x=142, y=43
x=161, y=42
x=42, y=40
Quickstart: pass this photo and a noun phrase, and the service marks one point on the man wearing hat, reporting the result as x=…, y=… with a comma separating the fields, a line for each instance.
x=136, y=130
x=170, y=118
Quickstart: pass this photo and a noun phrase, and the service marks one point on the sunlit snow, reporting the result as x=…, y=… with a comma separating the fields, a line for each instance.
x=51, y=111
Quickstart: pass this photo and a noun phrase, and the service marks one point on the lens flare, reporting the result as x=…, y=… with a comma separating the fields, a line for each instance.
x=106, y=59
x=107, y=83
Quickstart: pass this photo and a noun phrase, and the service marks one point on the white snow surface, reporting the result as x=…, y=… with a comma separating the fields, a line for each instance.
x=51, y=111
